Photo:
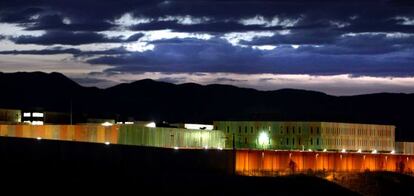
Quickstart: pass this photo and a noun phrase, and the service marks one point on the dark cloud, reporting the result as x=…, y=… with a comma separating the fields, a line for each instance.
x=44, y=52
x=94, y=15
x=208, y=27
x=321, y=27
x=298, y=37
x=73, y=51
x=217, y=55
x=71, y=38
x=56, y=22
x=331, y=42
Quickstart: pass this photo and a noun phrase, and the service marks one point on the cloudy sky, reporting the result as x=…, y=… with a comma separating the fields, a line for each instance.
x=340, y=47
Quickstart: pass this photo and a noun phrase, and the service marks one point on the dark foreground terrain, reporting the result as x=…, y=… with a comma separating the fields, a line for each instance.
x=74, y=168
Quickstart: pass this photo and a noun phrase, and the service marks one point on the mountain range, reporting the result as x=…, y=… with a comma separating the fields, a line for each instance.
x=160, y=101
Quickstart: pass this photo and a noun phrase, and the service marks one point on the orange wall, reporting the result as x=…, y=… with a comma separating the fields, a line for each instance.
x=85, y=133
x=278, y=161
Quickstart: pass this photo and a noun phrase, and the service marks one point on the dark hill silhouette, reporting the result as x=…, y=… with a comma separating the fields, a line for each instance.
x=153, y=100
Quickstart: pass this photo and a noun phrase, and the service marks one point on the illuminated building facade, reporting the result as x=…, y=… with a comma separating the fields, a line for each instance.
x=404, y=147
x=260, y=148
x=271, y=162
x=309, y=136
x=120, y=134
x=10, y=116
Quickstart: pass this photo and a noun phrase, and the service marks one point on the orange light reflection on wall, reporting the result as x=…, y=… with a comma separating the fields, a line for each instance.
x=292, y=161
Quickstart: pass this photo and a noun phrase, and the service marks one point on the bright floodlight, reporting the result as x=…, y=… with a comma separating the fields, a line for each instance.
x=151, y=125
x=359, y=151
x=206, y=147
x=374, y=151
x=107, y=143
x=106, y=124
x=392, y=151
x=220, y=148
x=324, y=150
x=263, y=138
x=199, y=126
x=310, y=150
x=39, y=138
x=175, y=147
x=343, y=150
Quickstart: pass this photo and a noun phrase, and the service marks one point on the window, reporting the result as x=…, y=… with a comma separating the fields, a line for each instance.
x=245, y=129
x=245, y=140
x=317, y=130
x=299, y=130
x=287, y=130
x=293, y=141
x=293, y=130
x=27, y=114
x=311, y=130
x=228, y=129
x=251, y=129
x=311, y=141
x=37, y=114
x=317, y=141
x=287, y=141
x=299, y=141
x=37, y=123
x=239, y=129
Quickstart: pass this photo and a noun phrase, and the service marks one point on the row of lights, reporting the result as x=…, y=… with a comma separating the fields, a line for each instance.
x=358, y=151
x=205, y=147
x=219, y=148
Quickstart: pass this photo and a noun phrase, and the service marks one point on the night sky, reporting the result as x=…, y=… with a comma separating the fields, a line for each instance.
x=340, y=47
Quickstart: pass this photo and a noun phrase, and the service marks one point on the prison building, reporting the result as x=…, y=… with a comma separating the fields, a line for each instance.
x=404, y=147
x=309, y=136
x=120, y=134
x=271, y=162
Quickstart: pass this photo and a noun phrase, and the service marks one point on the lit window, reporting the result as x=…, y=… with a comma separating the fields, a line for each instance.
x=37, y=114
x=27, y=114
x=37, y=123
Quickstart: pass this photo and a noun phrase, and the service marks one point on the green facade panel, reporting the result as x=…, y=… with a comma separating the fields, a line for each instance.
x=170, y=137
